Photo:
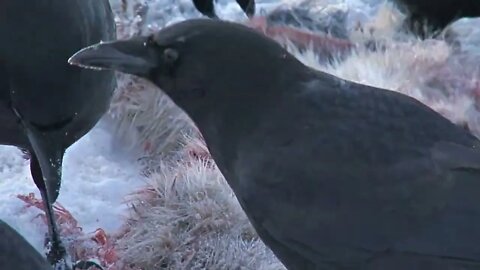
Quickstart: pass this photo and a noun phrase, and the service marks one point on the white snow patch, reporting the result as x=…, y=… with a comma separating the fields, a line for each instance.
x=96, y=179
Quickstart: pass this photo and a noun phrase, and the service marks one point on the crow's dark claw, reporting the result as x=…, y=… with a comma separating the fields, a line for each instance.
x=56, y=255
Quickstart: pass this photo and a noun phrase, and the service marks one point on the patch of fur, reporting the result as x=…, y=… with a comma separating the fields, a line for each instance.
x=190, y=220
x=154, y=122
x=408, y=67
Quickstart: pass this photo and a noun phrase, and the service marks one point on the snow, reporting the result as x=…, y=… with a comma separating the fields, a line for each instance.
x=96, y=179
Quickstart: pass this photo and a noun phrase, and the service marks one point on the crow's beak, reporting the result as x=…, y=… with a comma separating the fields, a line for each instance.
x=132, y=56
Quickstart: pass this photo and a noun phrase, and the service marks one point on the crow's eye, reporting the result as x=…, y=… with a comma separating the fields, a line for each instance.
x=170, y=55
x=150, y=41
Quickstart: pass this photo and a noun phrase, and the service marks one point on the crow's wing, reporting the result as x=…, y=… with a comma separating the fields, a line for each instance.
x=344, y=178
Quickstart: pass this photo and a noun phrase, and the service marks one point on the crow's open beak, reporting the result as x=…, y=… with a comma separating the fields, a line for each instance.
x=130, y=56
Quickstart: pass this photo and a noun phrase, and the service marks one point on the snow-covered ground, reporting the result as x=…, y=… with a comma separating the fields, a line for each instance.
x=96, y=178
x=187, y=217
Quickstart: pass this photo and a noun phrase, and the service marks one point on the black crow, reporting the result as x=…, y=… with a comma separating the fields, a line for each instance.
x=332, y=174
x=426, y=16
x=46, y=104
